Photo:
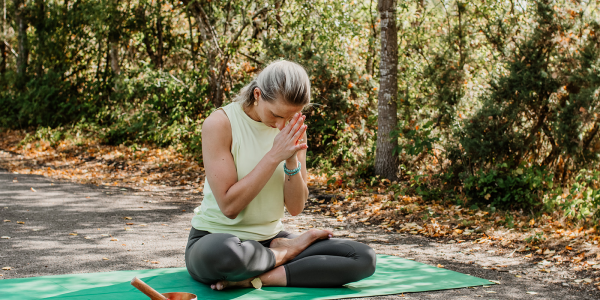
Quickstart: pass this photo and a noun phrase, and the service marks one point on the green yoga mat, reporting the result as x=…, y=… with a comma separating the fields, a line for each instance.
x=393, y=275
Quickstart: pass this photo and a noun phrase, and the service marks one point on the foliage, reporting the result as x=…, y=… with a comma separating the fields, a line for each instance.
x=582, y=201
x=157, y=107
x=485, y=88
x=543, y=110
x=504, y=187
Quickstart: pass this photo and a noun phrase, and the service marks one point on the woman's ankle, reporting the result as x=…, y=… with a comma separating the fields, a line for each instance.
x=275, y=277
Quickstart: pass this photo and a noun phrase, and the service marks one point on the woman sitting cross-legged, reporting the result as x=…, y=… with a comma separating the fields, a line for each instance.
x=254, y=153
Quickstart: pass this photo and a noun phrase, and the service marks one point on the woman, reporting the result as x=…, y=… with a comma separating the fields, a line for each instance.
x=254, y=153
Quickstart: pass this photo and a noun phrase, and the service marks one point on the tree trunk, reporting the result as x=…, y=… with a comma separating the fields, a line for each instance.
x=386, y=163
x=3, y=47
x=23, y=46
x=4, y=57
x=114, y=57
x=160, y=45
x=370, y=65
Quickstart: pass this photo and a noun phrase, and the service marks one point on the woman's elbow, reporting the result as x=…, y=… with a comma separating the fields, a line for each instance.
x=230, y=215
x=295, y=211
x=229, y=212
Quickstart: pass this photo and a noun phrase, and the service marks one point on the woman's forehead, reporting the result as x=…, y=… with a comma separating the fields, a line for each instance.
x=284, y=109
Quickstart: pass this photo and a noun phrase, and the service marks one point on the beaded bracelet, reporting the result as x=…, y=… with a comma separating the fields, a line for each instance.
x=292, y=172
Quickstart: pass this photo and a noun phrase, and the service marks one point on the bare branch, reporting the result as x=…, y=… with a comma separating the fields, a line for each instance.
x=246, y=23
x=11, y=49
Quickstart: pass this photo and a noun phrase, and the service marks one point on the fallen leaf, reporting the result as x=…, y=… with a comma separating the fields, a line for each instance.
x=114, y=240
x=128, y=223
x=532, y=293
x=20, y=222
x=104, y=258
x=440, y=266
x=127, y=218
x=6, y=221
x=155, y=262
x=87, y=237
x=72, y=233
x=569, y=248
x=33, y=190
x=7, y=268
x=5, y=237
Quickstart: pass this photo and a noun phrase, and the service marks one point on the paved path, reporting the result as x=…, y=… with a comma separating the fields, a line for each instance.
x=70, y=228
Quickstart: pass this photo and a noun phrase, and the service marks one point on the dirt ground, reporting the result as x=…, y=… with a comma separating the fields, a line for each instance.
x=52, y=227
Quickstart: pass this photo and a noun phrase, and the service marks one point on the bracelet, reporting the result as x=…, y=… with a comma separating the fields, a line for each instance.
x=292, y=172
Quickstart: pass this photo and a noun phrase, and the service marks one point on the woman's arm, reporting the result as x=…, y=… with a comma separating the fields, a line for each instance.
x=295, y=190
x=232, y=195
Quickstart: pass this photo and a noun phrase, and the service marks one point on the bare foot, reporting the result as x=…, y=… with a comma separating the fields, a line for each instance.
x=222, y=285
x=286, y=249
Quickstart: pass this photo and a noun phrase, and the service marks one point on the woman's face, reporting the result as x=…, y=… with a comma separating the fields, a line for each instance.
x=274, y=114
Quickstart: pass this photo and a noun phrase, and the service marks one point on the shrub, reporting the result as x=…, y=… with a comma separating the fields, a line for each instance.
x=509, y=188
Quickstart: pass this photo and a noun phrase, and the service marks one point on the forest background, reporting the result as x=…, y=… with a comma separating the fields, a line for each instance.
x=497, y=100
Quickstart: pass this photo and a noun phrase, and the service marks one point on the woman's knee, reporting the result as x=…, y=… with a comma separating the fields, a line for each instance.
x=365, y=260
x=215, y=256
x=368, y=259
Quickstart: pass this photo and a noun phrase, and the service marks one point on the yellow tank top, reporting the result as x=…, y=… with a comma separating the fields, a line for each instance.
x=261, y=219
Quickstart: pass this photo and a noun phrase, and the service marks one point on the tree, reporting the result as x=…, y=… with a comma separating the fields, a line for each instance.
x=3, y=50
x=23, y=45
x=386, y=162
x=218, y=54
x=543, y=111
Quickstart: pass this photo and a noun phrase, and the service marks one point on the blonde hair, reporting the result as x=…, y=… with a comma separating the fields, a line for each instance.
x=280, y=79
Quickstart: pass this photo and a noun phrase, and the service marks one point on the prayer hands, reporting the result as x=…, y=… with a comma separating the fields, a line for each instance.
x=289, y=140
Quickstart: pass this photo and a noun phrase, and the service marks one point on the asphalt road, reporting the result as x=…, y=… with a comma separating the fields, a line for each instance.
x=72, y=228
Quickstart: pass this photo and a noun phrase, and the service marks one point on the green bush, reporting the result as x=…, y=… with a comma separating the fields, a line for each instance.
x=543, y=109
x=157, y=107
x=504, y=187
x=582, y=200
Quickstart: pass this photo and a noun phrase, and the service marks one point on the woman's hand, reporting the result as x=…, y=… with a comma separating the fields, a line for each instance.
x=287, y=141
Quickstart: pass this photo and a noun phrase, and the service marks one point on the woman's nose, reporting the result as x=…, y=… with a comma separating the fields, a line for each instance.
x=280, y=123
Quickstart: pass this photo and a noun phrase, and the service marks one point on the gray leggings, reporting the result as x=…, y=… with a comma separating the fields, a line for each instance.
x=212, y=257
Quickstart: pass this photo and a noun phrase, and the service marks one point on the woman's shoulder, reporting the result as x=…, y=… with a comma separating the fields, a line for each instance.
x=217, y=121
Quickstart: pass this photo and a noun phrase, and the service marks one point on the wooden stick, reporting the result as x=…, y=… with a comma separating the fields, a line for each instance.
x=146, y=289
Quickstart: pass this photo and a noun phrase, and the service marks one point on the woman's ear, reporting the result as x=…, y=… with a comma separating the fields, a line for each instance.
x=256, y=93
